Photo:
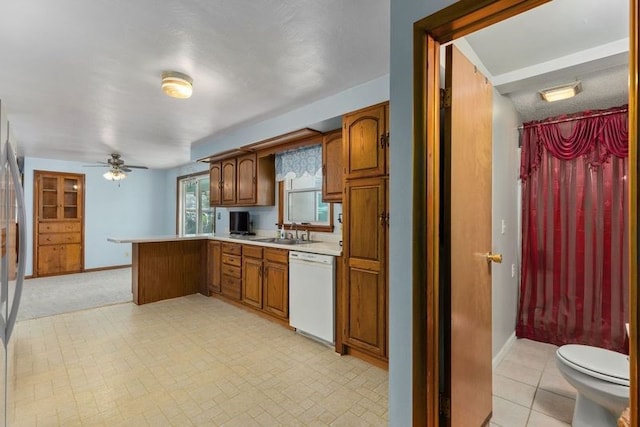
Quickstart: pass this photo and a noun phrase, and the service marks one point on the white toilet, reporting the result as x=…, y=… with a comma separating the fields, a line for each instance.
x=601, y=379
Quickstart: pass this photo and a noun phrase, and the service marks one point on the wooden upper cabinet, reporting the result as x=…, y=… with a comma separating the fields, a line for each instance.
x=228, y=185
x=60, y=196
x=332, y=167
x=215, y=189
x=246, y=179
x=366, y=139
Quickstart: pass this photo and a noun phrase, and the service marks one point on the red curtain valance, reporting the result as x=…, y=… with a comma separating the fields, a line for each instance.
x=598, y=133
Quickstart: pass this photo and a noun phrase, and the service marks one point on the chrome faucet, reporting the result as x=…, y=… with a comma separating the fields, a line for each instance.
x=295, y=227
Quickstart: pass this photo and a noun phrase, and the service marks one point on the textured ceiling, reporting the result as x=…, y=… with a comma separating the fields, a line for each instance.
x=81, y=79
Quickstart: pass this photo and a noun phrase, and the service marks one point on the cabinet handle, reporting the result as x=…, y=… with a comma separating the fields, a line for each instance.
x=383, y=218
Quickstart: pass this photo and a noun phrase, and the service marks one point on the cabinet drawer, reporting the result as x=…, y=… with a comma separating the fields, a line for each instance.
x=229, y=270
x=231, y=287
x=253, y=251
x=234, y=260
x=276, y=255
x=232, y=248
x=59, y=227
x=56, y=238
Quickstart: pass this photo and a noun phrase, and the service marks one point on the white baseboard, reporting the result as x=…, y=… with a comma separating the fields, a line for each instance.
x=504, y=350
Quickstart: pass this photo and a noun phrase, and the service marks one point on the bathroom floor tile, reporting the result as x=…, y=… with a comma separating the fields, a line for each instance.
x=513, y=391
x=554, y=405
x=509, y=414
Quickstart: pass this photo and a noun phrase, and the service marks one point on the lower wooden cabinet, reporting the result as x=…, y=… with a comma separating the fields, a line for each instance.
x=252, y=273
x=57, y=259
x=214, y=267
x=276, y=288
x=231, y=278
x=265, y=280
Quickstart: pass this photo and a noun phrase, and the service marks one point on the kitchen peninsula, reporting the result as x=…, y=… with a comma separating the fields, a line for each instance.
x=165, y=267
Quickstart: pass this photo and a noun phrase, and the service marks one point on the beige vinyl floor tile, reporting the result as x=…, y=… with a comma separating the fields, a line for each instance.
x=172, y=363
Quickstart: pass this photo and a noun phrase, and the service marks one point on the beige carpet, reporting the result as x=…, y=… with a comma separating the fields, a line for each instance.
x=47, y=296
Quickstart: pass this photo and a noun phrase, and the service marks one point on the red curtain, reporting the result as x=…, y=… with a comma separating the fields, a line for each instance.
x=575, y=230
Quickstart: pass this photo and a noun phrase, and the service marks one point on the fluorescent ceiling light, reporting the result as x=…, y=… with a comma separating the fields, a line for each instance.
x=561, y=92
x=177, y=85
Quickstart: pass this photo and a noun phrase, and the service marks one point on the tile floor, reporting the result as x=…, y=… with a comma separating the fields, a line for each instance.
x=172, y=363
x=528, y=390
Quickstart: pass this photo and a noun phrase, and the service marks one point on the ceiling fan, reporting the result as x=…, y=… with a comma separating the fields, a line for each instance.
x=117, y=168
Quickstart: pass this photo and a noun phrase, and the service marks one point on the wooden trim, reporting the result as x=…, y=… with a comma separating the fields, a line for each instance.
x=426, y=205
x=111, y=267
x=315, y=228
x=278, y=143
x=467, y=16
x=214, y=158
x=634, y=299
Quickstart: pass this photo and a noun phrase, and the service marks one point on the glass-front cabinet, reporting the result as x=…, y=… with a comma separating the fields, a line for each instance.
x=60, y=197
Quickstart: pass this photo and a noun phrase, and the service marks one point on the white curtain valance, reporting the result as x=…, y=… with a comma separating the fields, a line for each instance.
x=299, y=162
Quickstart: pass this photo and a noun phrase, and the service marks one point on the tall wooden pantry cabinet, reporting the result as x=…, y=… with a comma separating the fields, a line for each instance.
x=58, y=223
x=364, y=290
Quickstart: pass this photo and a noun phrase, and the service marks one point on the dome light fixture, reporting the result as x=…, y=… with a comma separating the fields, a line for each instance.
x=177, y=85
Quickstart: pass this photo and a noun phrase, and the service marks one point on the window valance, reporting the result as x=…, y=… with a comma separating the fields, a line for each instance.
x=300, y=162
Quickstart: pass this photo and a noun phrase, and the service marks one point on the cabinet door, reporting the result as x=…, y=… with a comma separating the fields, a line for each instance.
x=276, y=289
x=215, y=190
x=214, y=266
x=49, y=260
x=365, y=273
x=364, y=134
x=332, y=167
x=229, y=182
x=246, y=180
x=252, y=282
x=71, y=201
x=70, y=258
x=48, y=196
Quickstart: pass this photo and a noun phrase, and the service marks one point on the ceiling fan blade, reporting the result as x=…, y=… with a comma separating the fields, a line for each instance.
x=96, y=166
x=125, y=169
x=135, y=167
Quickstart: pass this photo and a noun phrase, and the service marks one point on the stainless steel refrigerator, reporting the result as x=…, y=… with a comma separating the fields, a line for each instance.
x=12, y=263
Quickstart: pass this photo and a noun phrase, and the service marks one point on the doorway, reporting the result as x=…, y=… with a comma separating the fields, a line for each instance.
x=461, y=19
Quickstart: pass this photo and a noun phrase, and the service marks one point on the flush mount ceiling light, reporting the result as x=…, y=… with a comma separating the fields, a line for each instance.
x=114, y=175
x=561, y=92
x=177, y=85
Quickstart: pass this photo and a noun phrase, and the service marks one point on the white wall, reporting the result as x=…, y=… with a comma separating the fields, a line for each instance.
x=134, y=207
x=505, y=207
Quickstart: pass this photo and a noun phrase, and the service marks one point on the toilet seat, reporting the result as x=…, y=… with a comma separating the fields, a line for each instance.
x=597, y=362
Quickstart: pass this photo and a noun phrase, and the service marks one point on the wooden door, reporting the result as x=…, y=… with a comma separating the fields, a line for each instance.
x=467, y=216
x=276, y=289
x=365, y=323
x=228, y=183
x=364, y=134
x=246, y=180
x=252, y=281
x=215, y=190
x=214, y=266
x=332, y=167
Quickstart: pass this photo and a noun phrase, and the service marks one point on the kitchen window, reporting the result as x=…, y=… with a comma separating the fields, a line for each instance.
x=196, y=215
x=303, y=201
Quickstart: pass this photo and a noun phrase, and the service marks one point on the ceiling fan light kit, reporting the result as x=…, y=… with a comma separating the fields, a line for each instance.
x=559, y=93
x=114, y=175
x=177, y=85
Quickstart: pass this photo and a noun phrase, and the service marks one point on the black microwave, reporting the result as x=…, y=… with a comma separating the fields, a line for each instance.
x=239, y=222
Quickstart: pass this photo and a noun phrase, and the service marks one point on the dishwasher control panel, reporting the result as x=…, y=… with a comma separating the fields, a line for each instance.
x=310, y=257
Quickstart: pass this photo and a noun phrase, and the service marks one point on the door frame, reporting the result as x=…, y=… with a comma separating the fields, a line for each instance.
x=457, y=20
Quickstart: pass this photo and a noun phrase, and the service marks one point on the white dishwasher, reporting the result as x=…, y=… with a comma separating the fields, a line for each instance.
x=311, y=294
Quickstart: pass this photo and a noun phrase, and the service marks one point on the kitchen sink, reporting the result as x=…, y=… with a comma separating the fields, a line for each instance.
x=284, y=241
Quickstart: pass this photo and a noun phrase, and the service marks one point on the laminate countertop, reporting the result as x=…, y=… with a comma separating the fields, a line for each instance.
x=324, y=248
